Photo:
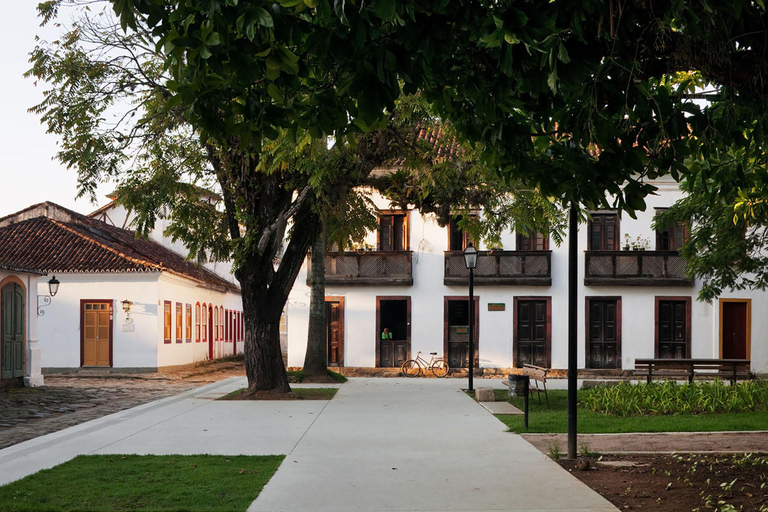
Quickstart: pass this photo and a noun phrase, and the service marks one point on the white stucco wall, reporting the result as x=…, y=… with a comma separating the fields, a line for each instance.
x=60, y=325
x=176, y=289
x=428, y=241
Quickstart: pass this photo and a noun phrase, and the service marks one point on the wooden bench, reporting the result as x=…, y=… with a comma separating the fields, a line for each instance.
x=731, y=369
x=537, y=376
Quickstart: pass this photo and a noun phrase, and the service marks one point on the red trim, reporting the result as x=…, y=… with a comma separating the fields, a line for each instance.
x=688, y=322
x=204, y=323
x=188, y=323
x=167, y=328
x=547, y=330
x=210, y=332
x=197, y=322
x=179, y=321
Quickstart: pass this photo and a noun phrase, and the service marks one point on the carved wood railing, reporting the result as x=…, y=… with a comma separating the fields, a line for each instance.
x=496, y=268
x=370, y=268
x=635, y=268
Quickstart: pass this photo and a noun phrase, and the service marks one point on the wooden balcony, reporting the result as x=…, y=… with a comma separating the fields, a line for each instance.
x=371, y=268
x=635, y=268
x=499, y=268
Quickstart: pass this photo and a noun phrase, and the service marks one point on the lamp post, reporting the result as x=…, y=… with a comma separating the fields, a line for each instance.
x=470, y=260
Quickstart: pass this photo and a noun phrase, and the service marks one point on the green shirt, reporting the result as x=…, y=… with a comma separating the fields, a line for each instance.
x=386, y=335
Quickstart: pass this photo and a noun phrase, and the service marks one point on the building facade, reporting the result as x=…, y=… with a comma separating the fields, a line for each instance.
x=634, y=299
x=123, y=303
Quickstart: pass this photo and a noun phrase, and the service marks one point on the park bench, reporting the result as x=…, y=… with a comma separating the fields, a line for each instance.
x=731, y=369
x=537, y=376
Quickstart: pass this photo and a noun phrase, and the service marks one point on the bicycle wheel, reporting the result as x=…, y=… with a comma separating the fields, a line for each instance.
x=410, y=368
x=440, y=368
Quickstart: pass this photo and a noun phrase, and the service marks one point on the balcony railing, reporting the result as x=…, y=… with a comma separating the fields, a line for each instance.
x=371, y=268
x=635, y=268
x=525, y=268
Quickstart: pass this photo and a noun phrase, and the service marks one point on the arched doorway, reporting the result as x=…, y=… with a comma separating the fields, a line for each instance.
x=12, y=321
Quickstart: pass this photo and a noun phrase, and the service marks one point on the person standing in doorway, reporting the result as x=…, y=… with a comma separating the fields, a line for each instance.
x=386, y=335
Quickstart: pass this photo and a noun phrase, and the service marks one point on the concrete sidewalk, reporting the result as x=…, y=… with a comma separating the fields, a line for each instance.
x=381, y=444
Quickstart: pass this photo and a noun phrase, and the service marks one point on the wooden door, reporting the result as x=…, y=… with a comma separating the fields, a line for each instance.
x=96, y=329
x=531, y=333
x=673, y=329
x=603, y=232
x=12, y=331
x=334, y=313
x=734, y=321
x=456, y=331
x=603, y=342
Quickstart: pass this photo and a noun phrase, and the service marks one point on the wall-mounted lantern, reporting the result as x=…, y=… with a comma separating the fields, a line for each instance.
x=53, y=289
x=126, y=305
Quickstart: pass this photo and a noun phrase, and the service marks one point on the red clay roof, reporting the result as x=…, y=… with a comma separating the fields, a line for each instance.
x=50, y=238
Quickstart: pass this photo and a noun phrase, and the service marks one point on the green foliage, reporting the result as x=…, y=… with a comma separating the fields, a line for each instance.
x=299, y=376
x=143, y=482
x=670, y=397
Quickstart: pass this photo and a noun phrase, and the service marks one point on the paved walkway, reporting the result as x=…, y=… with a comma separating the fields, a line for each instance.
x=381, y=444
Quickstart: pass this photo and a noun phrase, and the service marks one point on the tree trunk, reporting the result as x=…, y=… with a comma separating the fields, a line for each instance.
x=264, y=294
x=316, y=357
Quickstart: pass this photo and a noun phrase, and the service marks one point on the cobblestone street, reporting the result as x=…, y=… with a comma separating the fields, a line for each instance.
x=70, y=399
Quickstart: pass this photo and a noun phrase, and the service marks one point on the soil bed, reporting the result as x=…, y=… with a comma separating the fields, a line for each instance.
x=678, y=483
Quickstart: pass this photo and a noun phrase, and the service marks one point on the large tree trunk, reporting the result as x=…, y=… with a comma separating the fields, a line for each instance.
x=316, y=357
x=264, y=296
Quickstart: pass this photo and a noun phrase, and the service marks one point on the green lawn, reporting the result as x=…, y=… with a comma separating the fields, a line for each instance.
x=555, y=420
x=143, y=482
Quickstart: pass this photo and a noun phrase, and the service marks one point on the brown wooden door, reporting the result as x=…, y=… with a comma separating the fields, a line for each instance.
x=735, y=330
x=12, y=331
x=531, y=339
x=96, y=330
x=457, y=331
x=673, y=331
x=603, y=334
x=334, y=311
x=604, y=232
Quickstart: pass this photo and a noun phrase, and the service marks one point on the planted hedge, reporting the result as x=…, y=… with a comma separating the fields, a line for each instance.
x=669, y=397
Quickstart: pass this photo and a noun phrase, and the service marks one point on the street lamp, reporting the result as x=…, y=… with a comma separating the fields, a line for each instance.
x=470, y=260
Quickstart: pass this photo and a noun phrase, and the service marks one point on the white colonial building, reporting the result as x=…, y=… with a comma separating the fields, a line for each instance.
x=632, y=303
x=123, y=303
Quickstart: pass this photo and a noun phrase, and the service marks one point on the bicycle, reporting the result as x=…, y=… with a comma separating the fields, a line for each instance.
x=413, y=367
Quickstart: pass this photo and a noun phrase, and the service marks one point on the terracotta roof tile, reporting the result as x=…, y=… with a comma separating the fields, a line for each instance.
x=50, y=238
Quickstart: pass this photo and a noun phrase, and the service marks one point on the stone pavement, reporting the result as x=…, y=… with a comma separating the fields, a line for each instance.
x=381, y=444
x=71, y=399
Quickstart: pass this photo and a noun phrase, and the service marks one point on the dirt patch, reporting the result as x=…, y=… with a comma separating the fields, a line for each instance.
x=678, y=483
x=296, y=394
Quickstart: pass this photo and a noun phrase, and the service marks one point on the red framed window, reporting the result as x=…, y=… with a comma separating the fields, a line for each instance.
x=216, y=323
x=221, y=322
x=197, y=322
x=204, y=322
x=167, y=325
x=188, y=324
x=179, y=321
x=227, y=330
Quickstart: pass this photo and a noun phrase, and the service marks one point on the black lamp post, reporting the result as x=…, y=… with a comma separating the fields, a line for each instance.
x=470, y=260
x=53, y=289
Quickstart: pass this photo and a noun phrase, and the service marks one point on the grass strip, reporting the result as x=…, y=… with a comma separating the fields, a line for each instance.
x=302, y=393
x=555, y=419
x=95, y=483
x=299, y=375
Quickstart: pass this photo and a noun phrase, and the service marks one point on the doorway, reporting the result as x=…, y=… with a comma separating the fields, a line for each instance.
x=12, y=348
x=735, y=328
x=603, y=332
x=673, y=327
x=532, y=331
x=334, y=314
x=456, y=331
x=393, y=314
x=96, y=333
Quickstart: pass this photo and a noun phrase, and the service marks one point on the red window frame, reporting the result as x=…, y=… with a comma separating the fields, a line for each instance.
x=221, y=322
x=188, y=323
x=167, y=323
x=204, y=323
x=179, y=321
x=216, y=323
x=197, y=322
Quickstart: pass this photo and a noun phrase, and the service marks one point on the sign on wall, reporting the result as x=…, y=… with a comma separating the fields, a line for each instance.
x=497, y=306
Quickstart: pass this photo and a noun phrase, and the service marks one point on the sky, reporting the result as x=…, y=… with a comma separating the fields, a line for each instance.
x=29, y=174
